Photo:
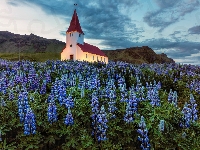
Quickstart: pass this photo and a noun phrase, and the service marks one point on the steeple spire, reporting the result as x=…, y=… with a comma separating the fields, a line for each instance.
x=74, y=24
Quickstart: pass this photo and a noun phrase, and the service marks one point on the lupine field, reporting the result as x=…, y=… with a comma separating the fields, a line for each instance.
x=61, y=105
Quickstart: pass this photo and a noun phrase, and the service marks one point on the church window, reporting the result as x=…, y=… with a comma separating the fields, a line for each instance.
x=101, y=58
x=86, y=55
x=71, y=45
x=93, y=57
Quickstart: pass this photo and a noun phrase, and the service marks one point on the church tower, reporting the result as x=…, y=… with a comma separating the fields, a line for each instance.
x=76, y=48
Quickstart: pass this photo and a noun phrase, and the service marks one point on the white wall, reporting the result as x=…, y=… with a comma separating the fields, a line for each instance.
x=76, y=51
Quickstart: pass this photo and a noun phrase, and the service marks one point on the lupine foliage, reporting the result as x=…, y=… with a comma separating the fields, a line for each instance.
x=79, y=105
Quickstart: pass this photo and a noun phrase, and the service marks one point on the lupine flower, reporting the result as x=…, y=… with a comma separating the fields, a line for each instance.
x=29, y=123
x=194, y=111
x=3, y=103
x=101, y=125
x=52, y=113
x=144, y=137
x=161, y=125
x=155, y=100
x=174, y=99
x=69, y=120
x=82, y=92
x=0, y=136
x=185, y=123
x=131, y=108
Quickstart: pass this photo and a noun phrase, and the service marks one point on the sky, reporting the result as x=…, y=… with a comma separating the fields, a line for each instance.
x=167, y=26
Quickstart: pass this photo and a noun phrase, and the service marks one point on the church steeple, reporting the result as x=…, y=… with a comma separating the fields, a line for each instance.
x=74, y=24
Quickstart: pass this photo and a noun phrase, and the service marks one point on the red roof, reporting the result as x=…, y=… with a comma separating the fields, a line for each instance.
x=74, y=24
x=91, y=49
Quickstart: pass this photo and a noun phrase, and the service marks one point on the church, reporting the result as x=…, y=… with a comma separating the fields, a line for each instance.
x=76, y=48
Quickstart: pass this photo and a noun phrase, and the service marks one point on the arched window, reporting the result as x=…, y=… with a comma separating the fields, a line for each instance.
x=104, y=59
x=93, y=57
x=86, y=55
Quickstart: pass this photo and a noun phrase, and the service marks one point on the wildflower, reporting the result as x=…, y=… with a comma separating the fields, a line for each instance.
x=51, y=113
x=161, y=125
x=29, y=123
x=69, y=120
x=144, y=137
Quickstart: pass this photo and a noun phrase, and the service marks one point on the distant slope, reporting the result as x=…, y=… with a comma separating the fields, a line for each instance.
x=142, y=54
x=35, y=44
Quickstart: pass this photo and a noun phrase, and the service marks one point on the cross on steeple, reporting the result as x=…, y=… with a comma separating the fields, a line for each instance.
x=75, y=9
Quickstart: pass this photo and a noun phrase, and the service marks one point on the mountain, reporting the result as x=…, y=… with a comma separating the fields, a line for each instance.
x=12, y=43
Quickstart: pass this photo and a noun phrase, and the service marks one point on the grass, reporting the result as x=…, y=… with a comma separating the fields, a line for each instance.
x=39, y=57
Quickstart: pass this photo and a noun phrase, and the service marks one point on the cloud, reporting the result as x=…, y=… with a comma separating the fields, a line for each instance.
x=12, y=3
x=169, y=13
x=194, y=30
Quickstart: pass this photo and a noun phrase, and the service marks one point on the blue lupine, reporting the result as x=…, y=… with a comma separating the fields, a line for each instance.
x=68, y=102
x=82, y=92
x=111, y=104
x=52, y=113
x=131, y=108
x=155, y=100
x=174, y=99
x=69, y=120
x=29, y=123
x=3, y=103
x=161, y=125
x=43, y=87
x=0, y=136
x=101, y=125
x=143, y=135
x=185, y=123
x=194, y=111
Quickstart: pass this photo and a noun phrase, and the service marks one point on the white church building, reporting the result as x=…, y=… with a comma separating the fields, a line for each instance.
x=76, y=48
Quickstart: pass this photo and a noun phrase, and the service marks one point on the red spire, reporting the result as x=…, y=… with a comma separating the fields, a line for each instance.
x=74, y=24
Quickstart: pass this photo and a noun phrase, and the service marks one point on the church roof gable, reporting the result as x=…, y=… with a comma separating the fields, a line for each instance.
x=74, y=24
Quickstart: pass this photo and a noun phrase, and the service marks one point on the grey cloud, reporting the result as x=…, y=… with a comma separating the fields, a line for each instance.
x=194, y=30
x=169, y=13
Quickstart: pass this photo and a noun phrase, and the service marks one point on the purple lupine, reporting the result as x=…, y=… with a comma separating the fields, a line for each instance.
x=143, y=135
x=95, y=110
x=82, y=92
x=52, y=113
x=11, y=95
x=174, y=99
x=101, y=125
x=194, y=111
x=21, y=107
x=68, y=102
x=162, y=125
x=29, y=123
x=185, y=123
x=170, y=96
x=131, y=108
x=69, y=120
x=0, y=136
x=43, y=87
x=155, y=100
x=111, y=104
x=3, y=103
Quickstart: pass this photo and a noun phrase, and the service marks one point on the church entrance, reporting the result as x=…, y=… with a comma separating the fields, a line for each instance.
x=71, y=57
